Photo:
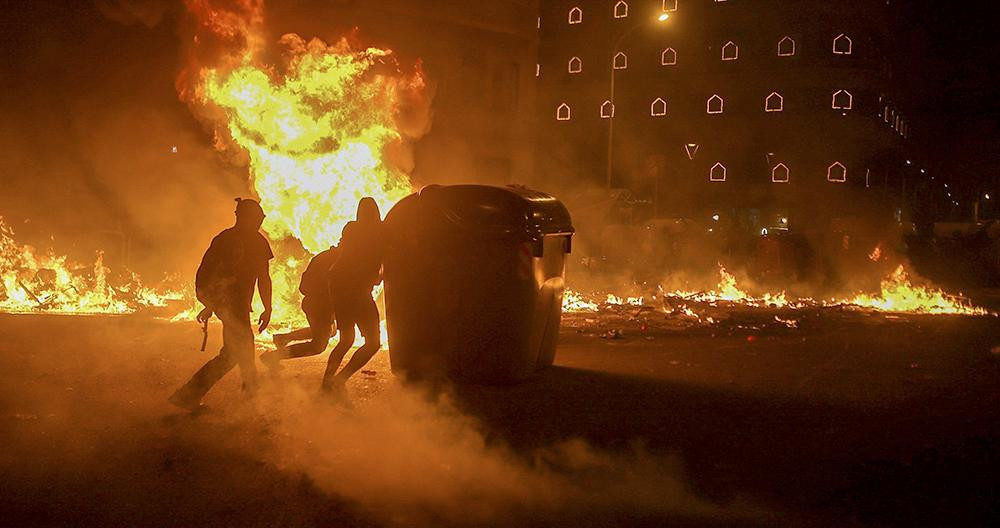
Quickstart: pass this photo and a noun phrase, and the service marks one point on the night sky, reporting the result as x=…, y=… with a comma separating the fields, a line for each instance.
x=950, y=74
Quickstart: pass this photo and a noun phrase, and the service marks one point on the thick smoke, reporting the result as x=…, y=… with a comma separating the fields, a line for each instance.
x=146, y=12
x=90, y=440
x=417, y=458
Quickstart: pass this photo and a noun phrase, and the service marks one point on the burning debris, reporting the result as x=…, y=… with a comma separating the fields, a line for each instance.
x=37, y=281
x=898, y=295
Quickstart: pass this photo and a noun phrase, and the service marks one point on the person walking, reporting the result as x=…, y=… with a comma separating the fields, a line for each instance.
x=236, y=262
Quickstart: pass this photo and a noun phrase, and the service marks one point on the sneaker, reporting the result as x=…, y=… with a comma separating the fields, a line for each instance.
x=337, y=393
x=185, y=401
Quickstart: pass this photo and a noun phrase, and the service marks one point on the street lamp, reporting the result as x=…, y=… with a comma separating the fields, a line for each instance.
x=611, y=118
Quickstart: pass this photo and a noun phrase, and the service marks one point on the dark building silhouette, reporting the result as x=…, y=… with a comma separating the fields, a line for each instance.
x=756, y=109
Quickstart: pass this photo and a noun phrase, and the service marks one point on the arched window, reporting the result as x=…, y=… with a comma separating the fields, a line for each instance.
x=780, y=173
x=563, y=113
x=843, y=45
x=774, y=103
x=843, y=100
x=715, y=104
x=620, y=62
x=836, y=173
x=670, y=5
x=717, y=173
x=658, y=108
x=575, y=65
x=668, y=57
x=575, y=15
x=730, y=51
x=607, y=110
x=786, y=47
x=621, y=9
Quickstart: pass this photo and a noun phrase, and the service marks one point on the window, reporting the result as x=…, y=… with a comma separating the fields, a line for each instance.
x=621, y=9
x=843, y=45
x=668, y=57
x=691, y=149
x=563, y=113
x=658, y=108
x=843, y=100
x=717, y=173
x=575, y=15
x=575, y=65
x=779, y=174
x=620, y=62
x=730, y=51
x=670, y=5
x=538, y=70
x=786, y=47
x=715, y=104
x=607, y=110
x=774, y=103
x=836, y=173
x=885, y=116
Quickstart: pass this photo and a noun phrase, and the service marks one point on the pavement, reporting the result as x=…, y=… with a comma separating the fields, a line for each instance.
x=846, y=419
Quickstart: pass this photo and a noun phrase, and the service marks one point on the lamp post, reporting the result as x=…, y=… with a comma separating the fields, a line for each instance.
x=663, y=17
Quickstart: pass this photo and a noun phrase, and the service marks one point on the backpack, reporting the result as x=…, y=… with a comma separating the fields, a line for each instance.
x=316, y=278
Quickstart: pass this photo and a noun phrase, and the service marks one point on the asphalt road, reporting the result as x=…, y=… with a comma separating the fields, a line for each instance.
x=847, y=420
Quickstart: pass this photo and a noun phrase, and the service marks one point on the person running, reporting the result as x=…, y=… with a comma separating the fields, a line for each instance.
x=352, y=279
x=236, y=261
x=318, y=307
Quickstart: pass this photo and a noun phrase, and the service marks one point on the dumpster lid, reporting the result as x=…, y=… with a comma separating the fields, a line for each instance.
x=510, y=210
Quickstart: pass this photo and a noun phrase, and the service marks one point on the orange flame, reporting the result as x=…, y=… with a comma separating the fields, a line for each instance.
x=896, y=295
x=317, y=129
x=34, y=281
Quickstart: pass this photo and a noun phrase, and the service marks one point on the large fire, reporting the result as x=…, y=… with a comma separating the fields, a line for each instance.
x=41, y=281
x=317, y=128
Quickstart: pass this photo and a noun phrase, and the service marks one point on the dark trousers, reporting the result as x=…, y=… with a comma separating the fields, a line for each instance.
x=353, y=311
x=237, y=349
x=319, y=313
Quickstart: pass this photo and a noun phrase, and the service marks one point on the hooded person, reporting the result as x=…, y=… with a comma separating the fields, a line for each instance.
x=235, y=264
x=352, y=278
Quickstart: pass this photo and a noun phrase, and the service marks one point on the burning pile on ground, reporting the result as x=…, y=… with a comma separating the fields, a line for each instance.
x=41, y=281
x=898, y=295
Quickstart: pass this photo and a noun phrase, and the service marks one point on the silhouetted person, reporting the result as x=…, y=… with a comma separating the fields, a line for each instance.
x=356, y=272
x=318, y=307
x=236, y=261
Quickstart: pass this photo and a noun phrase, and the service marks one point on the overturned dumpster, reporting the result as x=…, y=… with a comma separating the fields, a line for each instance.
x=474, y=282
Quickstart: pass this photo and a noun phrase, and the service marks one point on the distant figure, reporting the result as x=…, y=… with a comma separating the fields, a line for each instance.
x=318, y=307
x=356, y=272
x=237, y=260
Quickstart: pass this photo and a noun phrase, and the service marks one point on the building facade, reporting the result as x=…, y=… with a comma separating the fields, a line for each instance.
x=772, y=112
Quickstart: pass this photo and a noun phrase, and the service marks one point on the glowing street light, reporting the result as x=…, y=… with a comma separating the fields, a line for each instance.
x=663, y=17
